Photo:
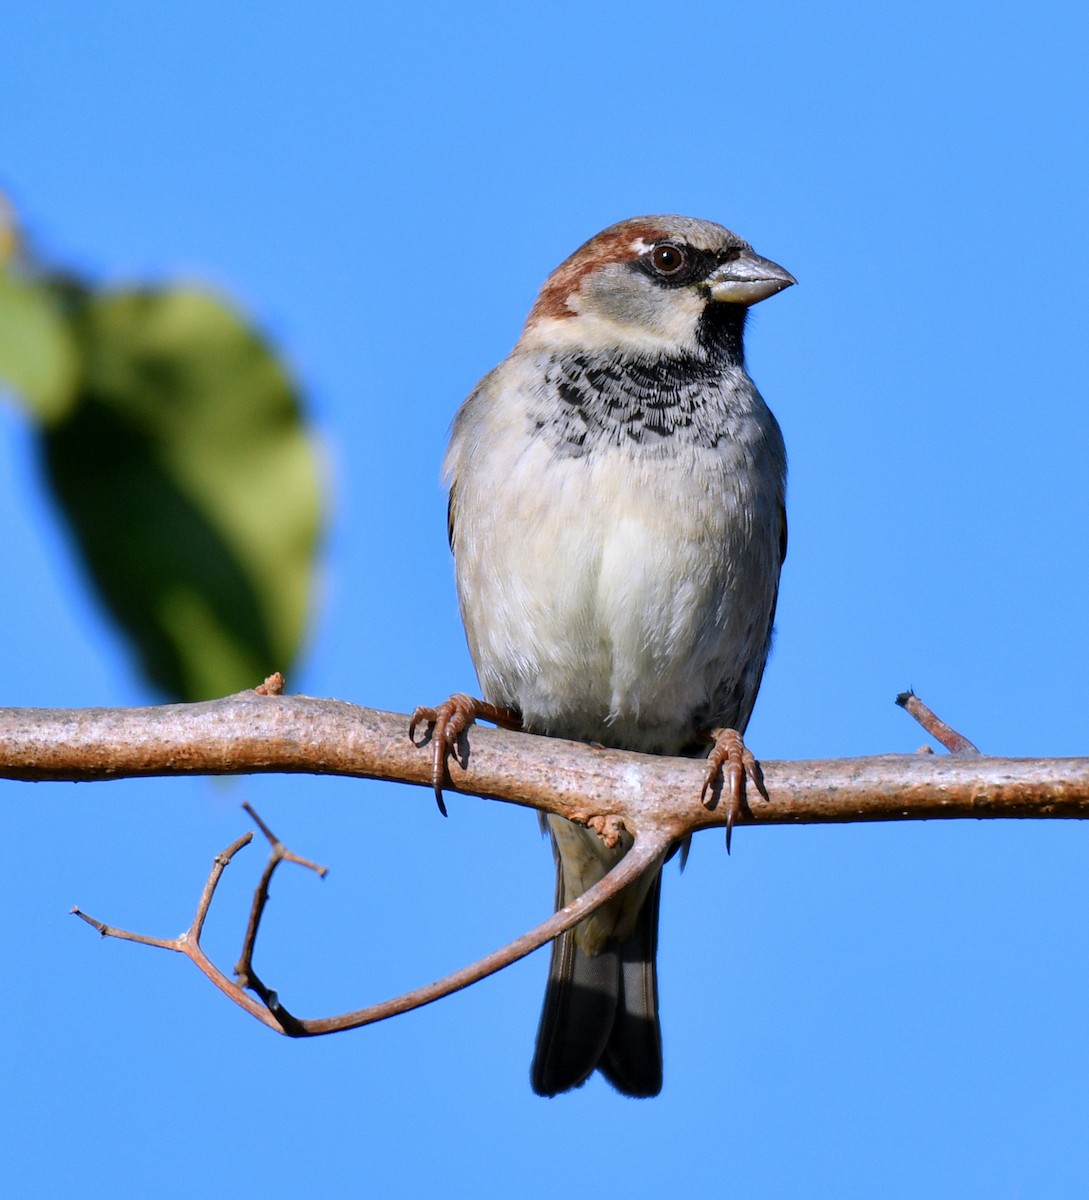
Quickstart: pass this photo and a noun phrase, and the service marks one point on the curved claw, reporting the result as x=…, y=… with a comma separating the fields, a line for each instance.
x=731, y=753
x=444, y=733
x=448, y=722
x=438, y=761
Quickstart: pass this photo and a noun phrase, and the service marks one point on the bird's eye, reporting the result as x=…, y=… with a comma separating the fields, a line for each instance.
x=668, y=259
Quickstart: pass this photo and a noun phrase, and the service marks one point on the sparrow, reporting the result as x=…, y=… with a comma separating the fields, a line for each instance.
x=617, y=518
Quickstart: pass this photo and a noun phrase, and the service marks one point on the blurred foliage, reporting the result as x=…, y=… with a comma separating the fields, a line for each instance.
x=174, y=443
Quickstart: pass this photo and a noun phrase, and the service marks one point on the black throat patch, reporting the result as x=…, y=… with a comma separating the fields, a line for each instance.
x=606, y=398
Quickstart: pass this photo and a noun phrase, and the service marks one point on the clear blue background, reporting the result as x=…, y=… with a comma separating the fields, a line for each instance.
x=894, y=1011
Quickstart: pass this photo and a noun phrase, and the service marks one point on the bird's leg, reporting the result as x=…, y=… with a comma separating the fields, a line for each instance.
x=448, y=722
x=728, y=763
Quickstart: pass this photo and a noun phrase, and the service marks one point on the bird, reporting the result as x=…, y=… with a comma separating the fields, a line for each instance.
x=618, y=524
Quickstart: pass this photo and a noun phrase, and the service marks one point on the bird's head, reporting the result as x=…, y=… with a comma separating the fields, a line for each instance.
x=651, y=284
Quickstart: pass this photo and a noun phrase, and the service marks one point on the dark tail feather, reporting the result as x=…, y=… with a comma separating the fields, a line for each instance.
x=601, y=1011
x=577, y=1017
x=632, y=1061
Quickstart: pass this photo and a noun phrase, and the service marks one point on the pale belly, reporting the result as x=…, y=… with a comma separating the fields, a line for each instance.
x=619, y=599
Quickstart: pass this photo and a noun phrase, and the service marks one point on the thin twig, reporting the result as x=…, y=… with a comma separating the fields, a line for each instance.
x=246, y=976
x=281, y=852
x=188, y=943
x=125, y=936
x=647, y=851
x=955, y=743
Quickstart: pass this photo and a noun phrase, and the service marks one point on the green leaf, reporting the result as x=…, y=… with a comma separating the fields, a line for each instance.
x=37, y=358
x=191, y=486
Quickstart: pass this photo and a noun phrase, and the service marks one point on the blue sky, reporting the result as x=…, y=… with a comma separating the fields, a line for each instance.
x=848, y=1012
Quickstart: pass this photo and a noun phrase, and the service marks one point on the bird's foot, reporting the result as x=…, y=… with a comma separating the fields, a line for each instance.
x=728, y=763
x=448, y=722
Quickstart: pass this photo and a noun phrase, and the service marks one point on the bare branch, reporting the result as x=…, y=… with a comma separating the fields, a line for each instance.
x=189, y=942
x=955, y=743
x=647, y=852
x=246, y=976
x=657, y=799
x=248, y=733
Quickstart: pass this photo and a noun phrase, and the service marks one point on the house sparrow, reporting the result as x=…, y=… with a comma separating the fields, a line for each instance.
x=618, y=525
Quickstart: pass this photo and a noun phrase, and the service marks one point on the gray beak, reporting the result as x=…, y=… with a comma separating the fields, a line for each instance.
x=748, y=279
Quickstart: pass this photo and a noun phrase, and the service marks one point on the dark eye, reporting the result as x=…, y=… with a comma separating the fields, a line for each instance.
x=668, y=259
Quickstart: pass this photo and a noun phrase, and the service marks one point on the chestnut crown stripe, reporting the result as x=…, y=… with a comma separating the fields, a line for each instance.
x=618, y=244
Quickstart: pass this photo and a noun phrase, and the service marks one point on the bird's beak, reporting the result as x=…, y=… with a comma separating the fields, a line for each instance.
x=748, y=279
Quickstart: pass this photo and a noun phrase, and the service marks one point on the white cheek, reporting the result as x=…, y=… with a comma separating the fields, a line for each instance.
x=589, y=331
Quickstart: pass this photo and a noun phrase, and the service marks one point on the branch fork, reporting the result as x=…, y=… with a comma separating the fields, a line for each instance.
x=647, y=852
x=654, y=799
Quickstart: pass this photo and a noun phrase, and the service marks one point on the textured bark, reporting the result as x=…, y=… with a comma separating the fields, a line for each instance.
x=249, y=732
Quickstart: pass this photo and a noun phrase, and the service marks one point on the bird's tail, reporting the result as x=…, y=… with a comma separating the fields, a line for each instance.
x=601, y=1010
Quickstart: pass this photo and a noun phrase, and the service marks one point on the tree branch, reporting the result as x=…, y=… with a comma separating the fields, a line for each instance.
x=647, y=852
x=251, y=733
x=658, y=800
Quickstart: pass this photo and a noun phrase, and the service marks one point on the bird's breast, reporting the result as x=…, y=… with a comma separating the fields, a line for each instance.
x=603, y=593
